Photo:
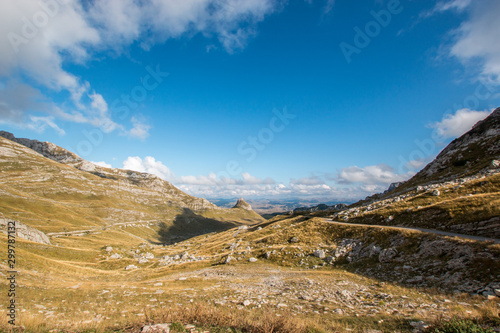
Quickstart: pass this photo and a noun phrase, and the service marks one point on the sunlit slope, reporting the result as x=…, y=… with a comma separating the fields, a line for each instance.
x=56, y=197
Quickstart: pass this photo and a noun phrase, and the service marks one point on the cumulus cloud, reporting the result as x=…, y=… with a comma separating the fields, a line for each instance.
x=371, y=175
x=454, y=125
x=149, y=164
x=102, y=164
x=39, y=38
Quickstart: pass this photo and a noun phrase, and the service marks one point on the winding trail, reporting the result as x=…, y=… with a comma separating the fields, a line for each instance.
x=432, y=231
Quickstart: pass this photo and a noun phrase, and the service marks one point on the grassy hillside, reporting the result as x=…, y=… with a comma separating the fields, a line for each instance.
x=56, y=198
x=471, y=207
x=76, y=284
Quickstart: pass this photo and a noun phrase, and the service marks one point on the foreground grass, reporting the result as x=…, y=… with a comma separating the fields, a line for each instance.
x=265, y=320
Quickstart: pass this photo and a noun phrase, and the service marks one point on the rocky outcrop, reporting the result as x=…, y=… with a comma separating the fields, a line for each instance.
x=477, y=151
x=242, y=204
x=24, y=231
x=140, y=179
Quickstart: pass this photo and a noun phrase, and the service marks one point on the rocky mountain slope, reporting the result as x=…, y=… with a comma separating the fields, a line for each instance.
x=128, y=249
x=471, y=154
x=459, y=191
x=51, y=189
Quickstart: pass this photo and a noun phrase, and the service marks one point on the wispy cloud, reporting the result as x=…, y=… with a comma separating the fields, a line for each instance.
x=72, y=32
x=475, y=41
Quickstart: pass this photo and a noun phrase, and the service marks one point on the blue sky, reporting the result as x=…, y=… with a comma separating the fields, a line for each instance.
x=332, y=100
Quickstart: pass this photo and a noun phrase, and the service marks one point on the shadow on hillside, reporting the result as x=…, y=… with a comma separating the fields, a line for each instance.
x=189, y=224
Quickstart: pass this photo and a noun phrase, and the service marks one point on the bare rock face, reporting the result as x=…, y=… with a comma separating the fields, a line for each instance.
x=471, y=153
x=24, y=231
x=242, y=204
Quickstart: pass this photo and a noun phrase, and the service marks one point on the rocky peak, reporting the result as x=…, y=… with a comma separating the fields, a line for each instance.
x=471, y=153
x=242, y=204
x=47, y=149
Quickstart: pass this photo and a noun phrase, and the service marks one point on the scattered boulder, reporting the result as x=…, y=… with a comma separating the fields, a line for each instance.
x=387, y=255
x=436, y=193
x=330, y=259
x=228, y=259
x=319, y=254
x=252, y=259
x=109, y=249
x=268, y=255
x=115, y=256
x=294, y=240
x=129, y=267
x=158, y=328
x=495, y=164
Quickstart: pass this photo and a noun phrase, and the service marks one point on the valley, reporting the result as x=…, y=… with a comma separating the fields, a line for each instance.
x=112, y=250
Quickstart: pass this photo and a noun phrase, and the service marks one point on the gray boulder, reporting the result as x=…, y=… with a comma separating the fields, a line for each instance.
x=387, y=255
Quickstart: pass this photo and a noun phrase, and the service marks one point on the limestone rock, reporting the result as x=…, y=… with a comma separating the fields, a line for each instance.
x=24, y=231
x=158, y=328
x=319, y=254
x=387, y=255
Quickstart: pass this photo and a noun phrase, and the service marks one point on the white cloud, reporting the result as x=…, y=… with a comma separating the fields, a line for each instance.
x=102, y=164
x=39, y=38
x=458, y=5
x=140, y=129
x=416, y=164
x=454, y=125
x=371, y=175
x=149, y=164
x=40, y=123
x=477, y=39
x=249, y=179
x=475, y=42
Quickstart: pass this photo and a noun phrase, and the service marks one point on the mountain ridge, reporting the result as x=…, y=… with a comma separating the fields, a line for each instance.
x=55, y=191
